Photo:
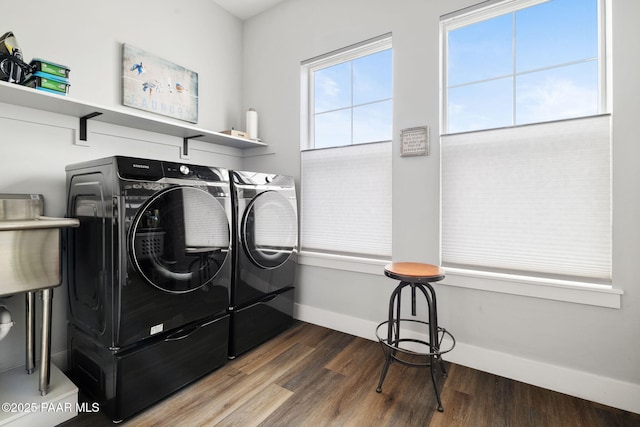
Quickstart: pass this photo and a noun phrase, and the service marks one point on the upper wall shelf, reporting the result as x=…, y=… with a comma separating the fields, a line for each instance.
x=27, y=97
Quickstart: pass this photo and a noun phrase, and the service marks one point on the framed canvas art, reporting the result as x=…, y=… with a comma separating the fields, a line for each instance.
x=154, y=84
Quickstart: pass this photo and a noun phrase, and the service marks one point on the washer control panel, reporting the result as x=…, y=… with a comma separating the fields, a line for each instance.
x=201, y=173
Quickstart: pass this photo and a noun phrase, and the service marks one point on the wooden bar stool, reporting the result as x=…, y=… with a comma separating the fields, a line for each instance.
x=403, y=348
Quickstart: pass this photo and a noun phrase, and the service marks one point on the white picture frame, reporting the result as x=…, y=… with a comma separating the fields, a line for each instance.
x=159, y=86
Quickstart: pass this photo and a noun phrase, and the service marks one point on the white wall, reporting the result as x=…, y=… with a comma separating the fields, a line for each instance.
x=588, y=351
x=87, y=36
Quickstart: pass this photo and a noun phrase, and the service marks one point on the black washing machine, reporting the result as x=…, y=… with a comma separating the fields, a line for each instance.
x=148, y=274
x=265, y=238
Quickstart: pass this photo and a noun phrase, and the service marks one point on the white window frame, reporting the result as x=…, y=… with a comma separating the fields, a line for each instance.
x=545, y=288
x=339, y=56
x=354, y=263
x=491, y=9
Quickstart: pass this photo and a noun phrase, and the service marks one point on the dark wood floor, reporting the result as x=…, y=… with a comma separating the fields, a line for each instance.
x=313, y=376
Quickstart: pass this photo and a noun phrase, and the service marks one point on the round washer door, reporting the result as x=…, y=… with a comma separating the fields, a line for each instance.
x=270, y=229
x=180, y=239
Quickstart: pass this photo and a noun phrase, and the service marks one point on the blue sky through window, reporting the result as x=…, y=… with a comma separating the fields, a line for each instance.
x=533, y=65
x=333, y=87
x=352, y=101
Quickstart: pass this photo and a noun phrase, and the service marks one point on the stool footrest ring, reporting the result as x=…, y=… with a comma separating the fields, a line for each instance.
x=422, y=352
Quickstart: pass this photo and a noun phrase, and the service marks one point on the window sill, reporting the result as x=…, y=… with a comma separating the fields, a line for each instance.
x=557, y=290
x=343, y=262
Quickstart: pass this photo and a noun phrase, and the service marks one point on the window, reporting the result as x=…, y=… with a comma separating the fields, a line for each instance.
x=346, y=151
x=523, y=62
x=526, y=175
x=352, y=101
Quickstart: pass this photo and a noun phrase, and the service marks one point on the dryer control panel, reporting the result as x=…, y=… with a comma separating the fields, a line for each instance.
x=184, y=171
x=153, y=170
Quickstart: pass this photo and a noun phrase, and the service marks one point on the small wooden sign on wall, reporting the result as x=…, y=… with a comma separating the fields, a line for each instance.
x=415, y=141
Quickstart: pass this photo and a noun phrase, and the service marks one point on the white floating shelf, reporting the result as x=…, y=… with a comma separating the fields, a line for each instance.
x=85, y=111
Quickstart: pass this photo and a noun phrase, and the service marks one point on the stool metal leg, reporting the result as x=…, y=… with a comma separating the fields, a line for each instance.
x=435, y=321
x=433, y=315
x=434, y=344
x=435, y=386
x=393, y=330
x=383, y=374
x=392, y=334
x=413, y=299
x=396, y=298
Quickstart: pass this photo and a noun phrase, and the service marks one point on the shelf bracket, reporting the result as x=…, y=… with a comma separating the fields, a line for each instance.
x=185, y=145
x=83, y=124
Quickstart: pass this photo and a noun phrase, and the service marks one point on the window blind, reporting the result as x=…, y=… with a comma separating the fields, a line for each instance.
x=346, y=200
x=532, y=199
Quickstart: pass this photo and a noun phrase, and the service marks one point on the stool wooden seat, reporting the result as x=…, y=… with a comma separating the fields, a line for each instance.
x=416, y=276
x=414, y=272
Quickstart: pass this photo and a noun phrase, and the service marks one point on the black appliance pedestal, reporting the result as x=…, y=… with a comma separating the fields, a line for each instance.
x=129, y=380
x=256, y=323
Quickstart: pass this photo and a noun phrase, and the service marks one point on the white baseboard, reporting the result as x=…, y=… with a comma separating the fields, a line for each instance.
x=607, y=391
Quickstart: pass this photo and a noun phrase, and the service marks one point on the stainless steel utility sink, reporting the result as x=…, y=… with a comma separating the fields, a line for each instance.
x=29, y=244
x=29, y=262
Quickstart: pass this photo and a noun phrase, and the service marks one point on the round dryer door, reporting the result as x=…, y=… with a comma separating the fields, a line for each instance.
x=270, y=229
x=180, y=239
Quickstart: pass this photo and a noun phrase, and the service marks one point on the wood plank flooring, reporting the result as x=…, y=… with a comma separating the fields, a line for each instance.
x=313, y=376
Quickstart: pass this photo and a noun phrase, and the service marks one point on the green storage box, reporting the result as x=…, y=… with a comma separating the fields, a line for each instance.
x=49, y=68
x=48, y=83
